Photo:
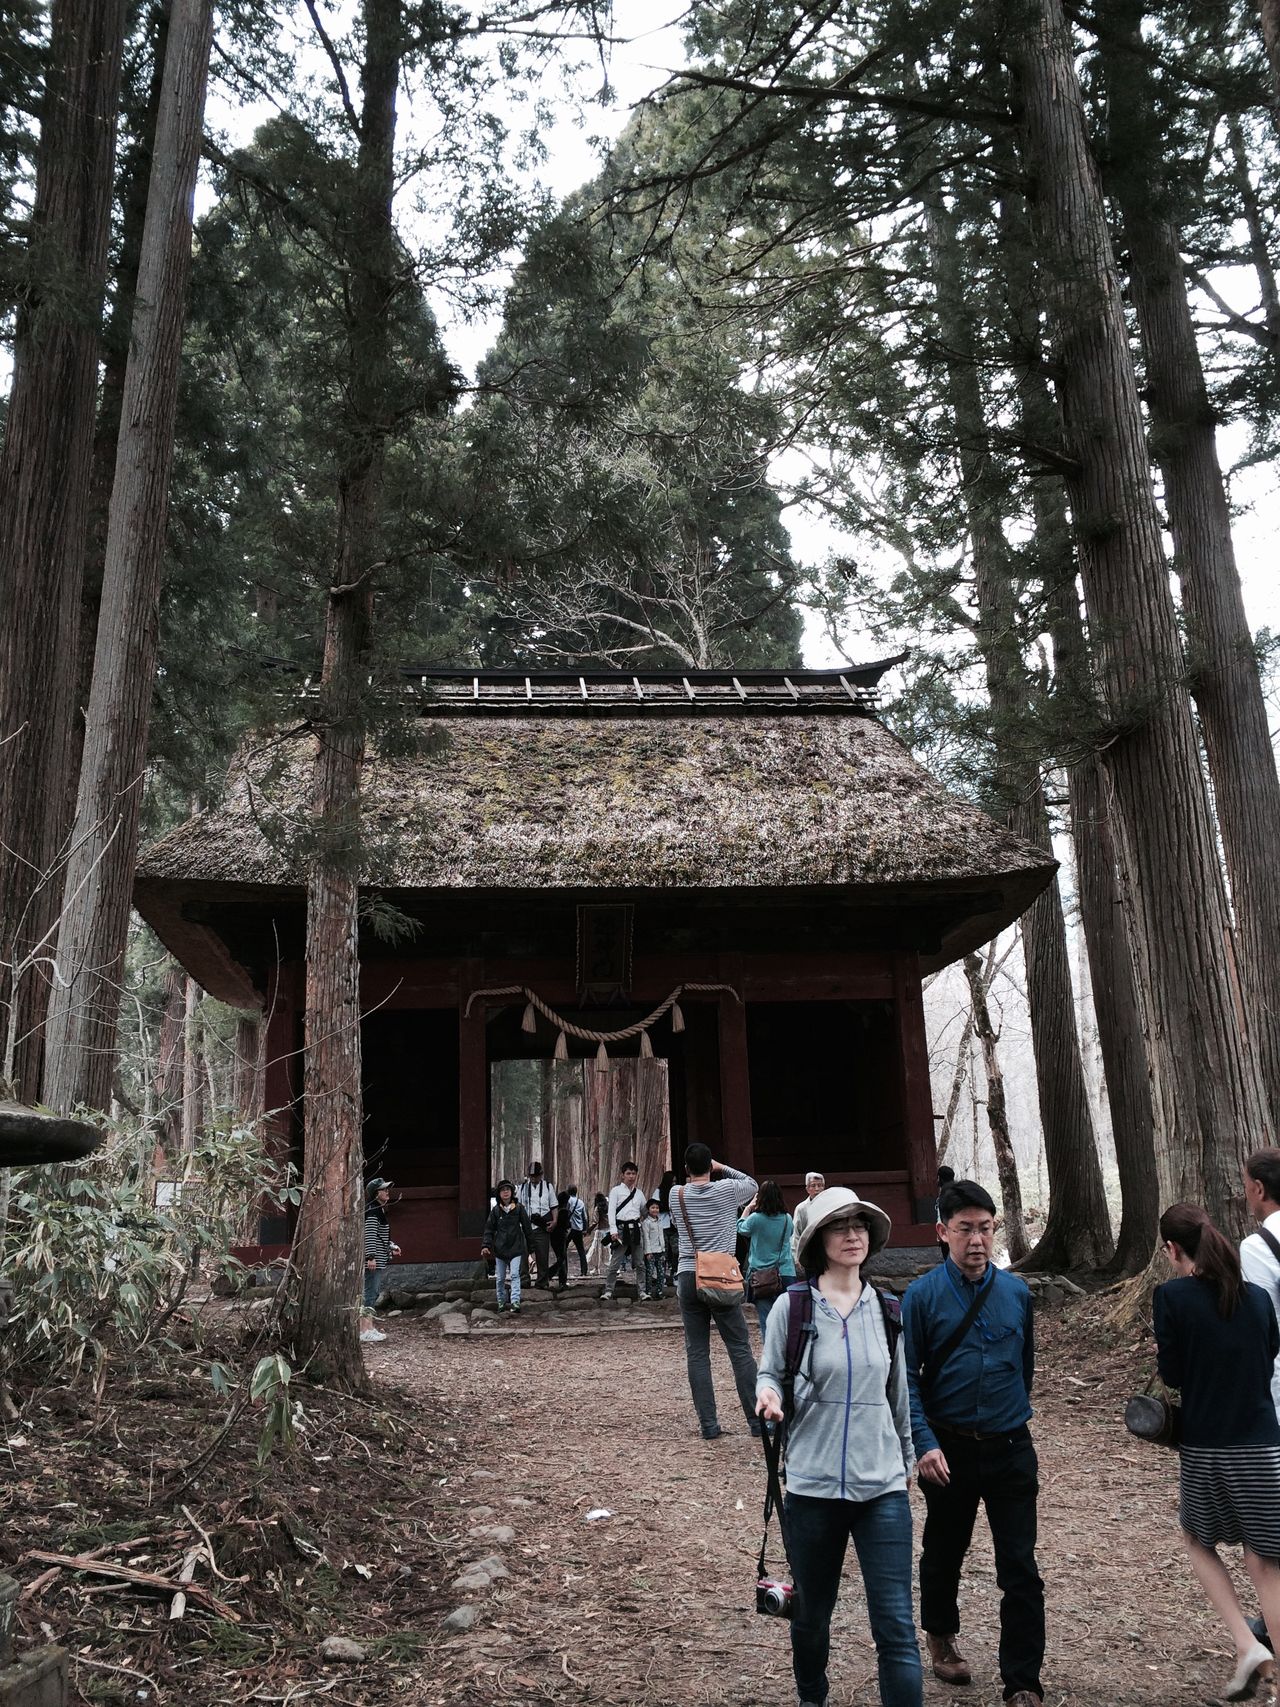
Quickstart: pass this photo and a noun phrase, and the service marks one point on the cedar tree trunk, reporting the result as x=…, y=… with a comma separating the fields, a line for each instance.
x=1078, y=1231
x=44, y=489
x=1270, y=11
x=84, y=1004
x=1106, y=931
x=1015, y=1227
x=1208, y=1099
x=1225, y=682
x=328, y=1245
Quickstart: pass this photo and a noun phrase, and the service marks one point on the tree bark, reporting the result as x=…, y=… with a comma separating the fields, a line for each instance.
x=1015, y=1227
x=328, y=1250
x=1207, y=1093
x=44, y=488
x=192, y=1080
x=93, y=929
x=169, y=1057
x=1270, y=18
x=1077, y=1234
x=1224, y=680
x=1106, y=934
x=250, y=1065
x=958, y=1077
x=135, y=183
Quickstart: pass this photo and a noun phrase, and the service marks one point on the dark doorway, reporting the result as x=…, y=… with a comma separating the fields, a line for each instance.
x=825, y=1086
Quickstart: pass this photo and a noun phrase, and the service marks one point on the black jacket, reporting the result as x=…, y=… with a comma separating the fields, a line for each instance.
x=508, y=1232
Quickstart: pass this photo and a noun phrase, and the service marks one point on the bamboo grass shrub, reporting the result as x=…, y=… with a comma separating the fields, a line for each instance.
x=97, y=1267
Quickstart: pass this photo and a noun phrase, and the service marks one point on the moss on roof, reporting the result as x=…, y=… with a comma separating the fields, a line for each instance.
x=574, y=803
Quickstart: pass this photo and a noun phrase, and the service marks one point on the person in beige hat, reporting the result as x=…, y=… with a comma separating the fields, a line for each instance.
x=848, y=1447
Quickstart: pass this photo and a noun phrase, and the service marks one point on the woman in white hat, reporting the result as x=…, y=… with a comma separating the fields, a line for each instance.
x=849, y=1453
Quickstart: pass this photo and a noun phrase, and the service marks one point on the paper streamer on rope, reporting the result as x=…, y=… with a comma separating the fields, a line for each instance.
x=567, y=1029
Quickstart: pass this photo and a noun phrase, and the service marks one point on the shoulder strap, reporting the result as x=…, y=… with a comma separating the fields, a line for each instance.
x=624, y=1203
x=800, y=1330
x=953, y=1339
x=688, y=1225
x=771, y=1440
x=891, y=1313
x=1271, y=1242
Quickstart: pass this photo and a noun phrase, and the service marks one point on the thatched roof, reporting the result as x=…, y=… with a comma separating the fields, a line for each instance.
x=712, y=802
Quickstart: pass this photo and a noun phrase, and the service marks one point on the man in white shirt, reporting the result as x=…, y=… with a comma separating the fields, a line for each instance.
x=813, y=1184
x=626, y=1211
x=537, y=1197
x=1260, y=1262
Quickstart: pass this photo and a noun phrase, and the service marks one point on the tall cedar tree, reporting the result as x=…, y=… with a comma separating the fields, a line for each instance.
x=44, y=489
x=1077, y=1233
x=327, y=1243
x=1224, y=671
x=1208, y=1095
x=94, y=924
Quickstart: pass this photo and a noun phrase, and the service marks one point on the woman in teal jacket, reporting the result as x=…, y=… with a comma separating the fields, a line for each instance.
x=768, y=1226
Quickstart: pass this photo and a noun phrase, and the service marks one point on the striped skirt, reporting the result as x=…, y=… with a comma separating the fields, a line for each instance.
x=1232, y=1493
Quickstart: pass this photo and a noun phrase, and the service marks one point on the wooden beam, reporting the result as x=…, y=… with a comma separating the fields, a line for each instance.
x=737, y=1144
x=473, y=1106
x=917, y=1092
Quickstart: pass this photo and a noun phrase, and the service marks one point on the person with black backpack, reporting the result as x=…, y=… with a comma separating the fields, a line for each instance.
x=833, y=1378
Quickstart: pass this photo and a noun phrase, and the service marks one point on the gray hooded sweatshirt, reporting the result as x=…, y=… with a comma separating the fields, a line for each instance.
x=849, y=1439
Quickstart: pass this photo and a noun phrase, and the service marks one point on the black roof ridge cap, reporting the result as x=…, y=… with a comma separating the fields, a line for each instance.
x=465, y=672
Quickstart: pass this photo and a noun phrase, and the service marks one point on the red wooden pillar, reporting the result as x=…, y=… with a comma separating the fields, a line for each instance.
x=737, y=1143
x=473, y=1105
x=917, y=1092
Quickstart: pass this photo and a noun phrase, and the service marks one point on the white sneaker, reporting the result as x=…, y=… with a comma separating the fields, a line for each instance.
x=370, y=1336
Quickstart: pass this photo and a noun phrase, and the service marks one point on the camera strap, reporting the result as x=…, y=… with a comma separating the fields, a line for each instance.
x=771, y=1440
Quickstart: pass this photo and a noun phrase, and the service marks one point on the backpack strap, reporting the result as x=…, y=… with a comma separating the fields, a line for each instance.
x=1269, y=1239
x=891, y=1314
x=800, y=1332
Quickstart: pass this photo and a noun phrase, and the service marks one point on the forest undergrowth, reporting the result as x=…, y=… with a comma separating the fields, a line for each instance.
x=362, y=1526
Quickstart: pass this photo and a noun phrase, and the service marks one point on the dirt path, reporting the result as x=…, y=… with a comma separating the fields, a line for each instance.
x=654, y=1604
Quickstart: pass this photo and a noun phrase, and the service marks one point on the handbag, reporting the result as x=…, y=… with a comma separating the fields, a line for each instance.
x=765, y=1283
x=717, y=1279
x=1151, y=1416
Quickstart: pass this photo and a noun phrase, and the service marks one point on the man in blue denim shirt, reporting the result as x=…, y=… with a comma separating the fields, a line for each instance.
x=969, y=1415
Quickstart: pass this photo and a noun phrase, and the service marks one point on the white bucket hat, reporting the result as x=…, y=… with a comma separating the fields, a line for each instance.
x=834, y=1204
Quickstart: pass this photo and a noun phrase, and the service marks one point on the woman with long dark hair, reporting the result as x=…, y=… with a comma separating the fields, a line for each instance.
x=1216, y=1340
x=768, y=1226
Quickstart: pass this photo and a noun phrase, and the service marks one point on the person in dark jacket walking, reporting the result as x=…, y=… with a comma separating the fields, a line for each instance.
x=1216, y=1340
x=379, y=1249
x=508, y=1239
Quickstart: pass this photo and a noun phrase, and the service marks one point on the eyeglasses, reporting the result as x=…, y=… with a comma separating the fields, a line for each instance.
x=858, y=1226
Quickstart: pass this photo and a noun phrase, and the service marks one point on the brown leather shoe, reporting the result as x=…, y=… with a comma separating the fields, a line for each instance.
x=1025, y=1698
x=949, y=1664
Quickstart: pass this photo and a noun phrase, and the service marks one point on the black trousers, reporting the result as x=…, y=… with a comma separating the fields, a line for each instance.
x=1002, y=1474
x=575, y=1238
x=540, y=1251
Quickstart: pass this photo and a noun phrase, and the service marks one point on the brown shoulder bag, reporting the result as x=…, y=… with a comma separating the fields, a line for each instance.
x=716, y=1275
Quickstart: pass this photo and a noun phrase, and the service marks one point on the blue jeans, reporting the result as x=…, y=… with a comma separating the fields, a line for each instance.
x=817, y=1534
x=372, y=1288
x=507, y=1268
